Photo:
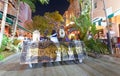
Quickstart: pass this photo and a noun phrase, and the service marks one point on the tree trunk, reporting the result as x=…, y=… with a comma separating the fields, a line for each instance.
x=109, y=39
x=16, y=21
x=80, y=4
x=3, y=21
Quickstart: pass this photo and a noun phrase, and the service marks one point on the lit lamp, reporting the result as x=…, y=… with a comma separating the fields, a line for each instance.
x=36, y=35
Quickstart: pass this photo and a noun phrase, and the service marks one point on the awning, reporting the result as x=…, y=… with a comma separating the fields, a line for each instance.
x=10, y=22
x=19, y=26
x=114, y=14
x=10, y=16
x=100, y=21
x=97, y=21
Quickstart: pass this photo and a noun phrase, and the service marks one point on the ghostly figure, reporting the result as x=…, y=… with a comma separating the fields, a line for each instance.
x=54, y=38
x=36, y=36
x=70, y=53
x=58, y=58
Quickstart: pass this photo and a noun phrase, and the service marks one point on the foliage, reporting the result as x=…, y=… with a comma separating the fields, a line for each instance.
x=54, y=16
x=44, y=1
x=8, y=45
x=13, y=45
x=4, y=43
x=84, y=25
x=31, y=3
x=46, y=22
x=1, y=57
x=39, y=23
x=96, y=46
x=16, y=42
x=5, y=54
x=54, y=19
x=85, y=6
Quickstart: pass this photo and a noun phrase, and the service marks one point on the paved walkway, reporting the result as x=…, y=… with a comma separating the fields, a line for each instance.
x=12, y=58
x=104, y=66
x=110, y=58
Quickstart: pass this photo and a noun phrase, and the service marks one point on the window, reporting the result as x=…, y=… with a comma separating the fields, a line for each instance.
x=95, y=5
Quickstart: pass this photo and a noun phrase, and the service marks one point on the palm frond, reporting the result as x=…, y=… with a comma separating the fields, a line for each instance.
x=84, y=24
x=44, y=1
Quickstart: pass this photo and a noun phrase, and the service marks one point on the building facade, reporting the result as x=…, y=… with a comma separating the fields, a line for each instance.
x=11, y=12
x=73, y=10
x=112, y=11
x=25, y=14
x=11, y=6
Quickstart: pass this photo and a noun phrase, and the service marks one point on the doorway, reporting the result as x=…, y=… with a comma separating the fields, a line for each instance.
x=119, y=29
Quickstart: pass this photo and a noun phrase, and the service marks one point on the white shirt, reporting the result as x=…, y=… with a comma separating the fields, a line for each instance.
x=112, y=33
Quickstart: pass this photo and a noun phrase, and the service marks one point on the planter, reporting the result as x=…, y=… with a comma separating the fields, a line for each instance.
x=94, y=55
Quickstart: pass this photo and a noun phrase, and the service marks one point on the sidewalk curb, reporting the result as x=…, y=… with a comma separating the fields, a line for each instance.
x=9, y=57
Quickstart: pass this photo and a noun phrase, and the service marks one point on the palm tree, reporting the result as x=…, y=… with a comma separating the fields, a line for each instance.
x=30, y=2
x=109, y=40
x=84, y=25
x=32, y=6
x=3, y=21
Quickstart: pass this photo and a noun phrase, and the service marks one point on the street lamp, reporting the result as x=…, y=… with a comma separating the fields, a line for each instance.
x=109, y=39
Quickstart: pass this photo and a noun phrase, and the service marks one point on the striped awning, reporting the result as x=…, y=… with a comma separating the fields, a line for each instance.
x=102, y=22
x=114, y=14
x=97, y=21
x=10, y=22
